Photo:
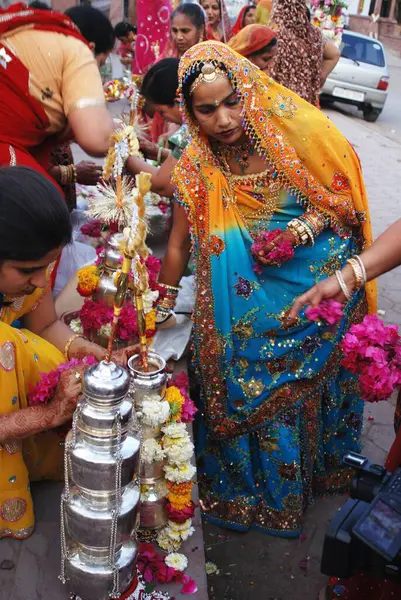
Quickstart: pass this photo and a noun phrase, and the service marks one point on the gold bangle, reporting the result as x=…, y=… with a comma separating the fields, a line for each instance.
x=171, y=288
x=71, y=176
x=358, y=274
x=360, y=261
x=73, y=173
x=304, y=232
x=298, y=241
x=315, y=220
x=343, y=285
x=69, y=342
x=63, y=175
x=167, y=303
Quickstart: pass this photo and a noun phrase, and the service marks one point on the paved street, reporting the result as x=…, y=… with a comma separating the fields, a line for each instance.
x=389, y=122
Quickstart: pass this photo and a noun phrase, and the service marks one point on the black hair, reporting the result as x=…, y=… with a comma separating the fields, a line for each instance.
x=248, y=8
x=123, y=29
x=186, y=86
x=266, y=48
x=94, y=26
x=34, y=218
x=38, y=4
x=161, y=82
x=194, y=12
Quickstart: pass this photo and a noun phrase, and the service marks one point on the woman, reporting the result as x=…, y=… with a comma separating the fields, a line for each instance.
x=258, y=44
x=382, y=256
x=303, y=59
x=50, y=83
x=219, y=25
x=277, y=406
x=35, y=226
x=159, y=89
x=245, y=17
x=62, y=168
x=188, y=27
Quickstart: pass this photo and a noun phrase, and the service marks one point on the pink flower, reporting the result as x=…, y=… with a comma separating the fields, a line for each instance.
x=328, y=310
x=153, y=265
x=257, y=268
x=100, y=256
x=44, y=390
x=378, y=355
x=372, y=350
x=148, y=560
x=181, y=381
x=189, y=586
x=94, y=314
x=188, y=411
x=127, y=325
x=163, y=206
x=280, y=253
x=93, y=228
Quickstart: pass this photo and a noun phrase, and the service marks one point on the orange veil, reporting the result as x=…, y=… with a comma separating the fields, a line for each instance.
x=251, y=39
x=311, y=155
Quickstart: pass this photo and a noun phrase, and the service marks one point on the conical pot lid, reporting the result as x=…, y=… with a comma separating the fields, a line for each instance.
x=106, y=383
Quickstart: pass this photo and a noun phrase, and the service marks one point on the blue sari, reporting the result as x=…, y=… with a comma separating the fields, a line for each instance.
x=300, y=410
x=278, y=412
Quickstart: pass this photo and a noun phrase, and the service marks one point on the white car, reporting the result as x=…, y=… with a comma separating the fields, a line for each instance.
x=360, y=77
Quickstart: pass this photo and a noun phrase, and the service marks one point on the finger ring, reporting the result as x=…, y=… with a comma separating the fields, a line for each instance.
x=78, y=376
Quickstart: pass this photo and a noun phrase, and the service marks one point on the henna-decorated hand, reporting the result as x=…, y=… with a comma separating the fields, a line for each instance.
x=82, y=347
x=66, y=395
x=122, y=356
x=262, y=256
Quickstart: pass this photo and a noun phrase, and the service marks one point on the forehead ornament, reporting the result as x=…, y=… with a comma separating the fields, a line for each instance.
x=209, y=73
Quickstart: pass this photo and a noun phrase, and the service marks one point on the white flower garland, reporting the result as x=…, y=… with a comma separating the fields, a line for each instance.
x=154, y=413
x=152, y=451
x=176, y=447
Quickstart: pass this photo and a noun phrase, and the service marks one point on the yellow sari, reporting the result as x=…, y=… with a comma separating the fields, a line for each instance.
x=23, y=357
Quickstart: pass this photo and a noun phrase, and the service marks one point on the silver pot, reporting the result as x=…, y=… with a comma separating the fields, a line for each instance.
x=90, y=522
x=150, y=472
x=152, y=383
x=101, y=498
x=93, y=465
x=153, y=510
x=106, y=289
x=92, y=578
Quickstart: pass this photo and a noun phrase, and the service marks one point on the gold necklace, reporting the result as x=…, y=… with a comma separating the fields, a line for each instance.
x=240, y=154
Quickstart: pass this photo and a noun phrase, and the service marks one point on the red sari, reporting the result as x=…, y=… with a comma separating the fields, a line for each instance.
x=24, y=137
